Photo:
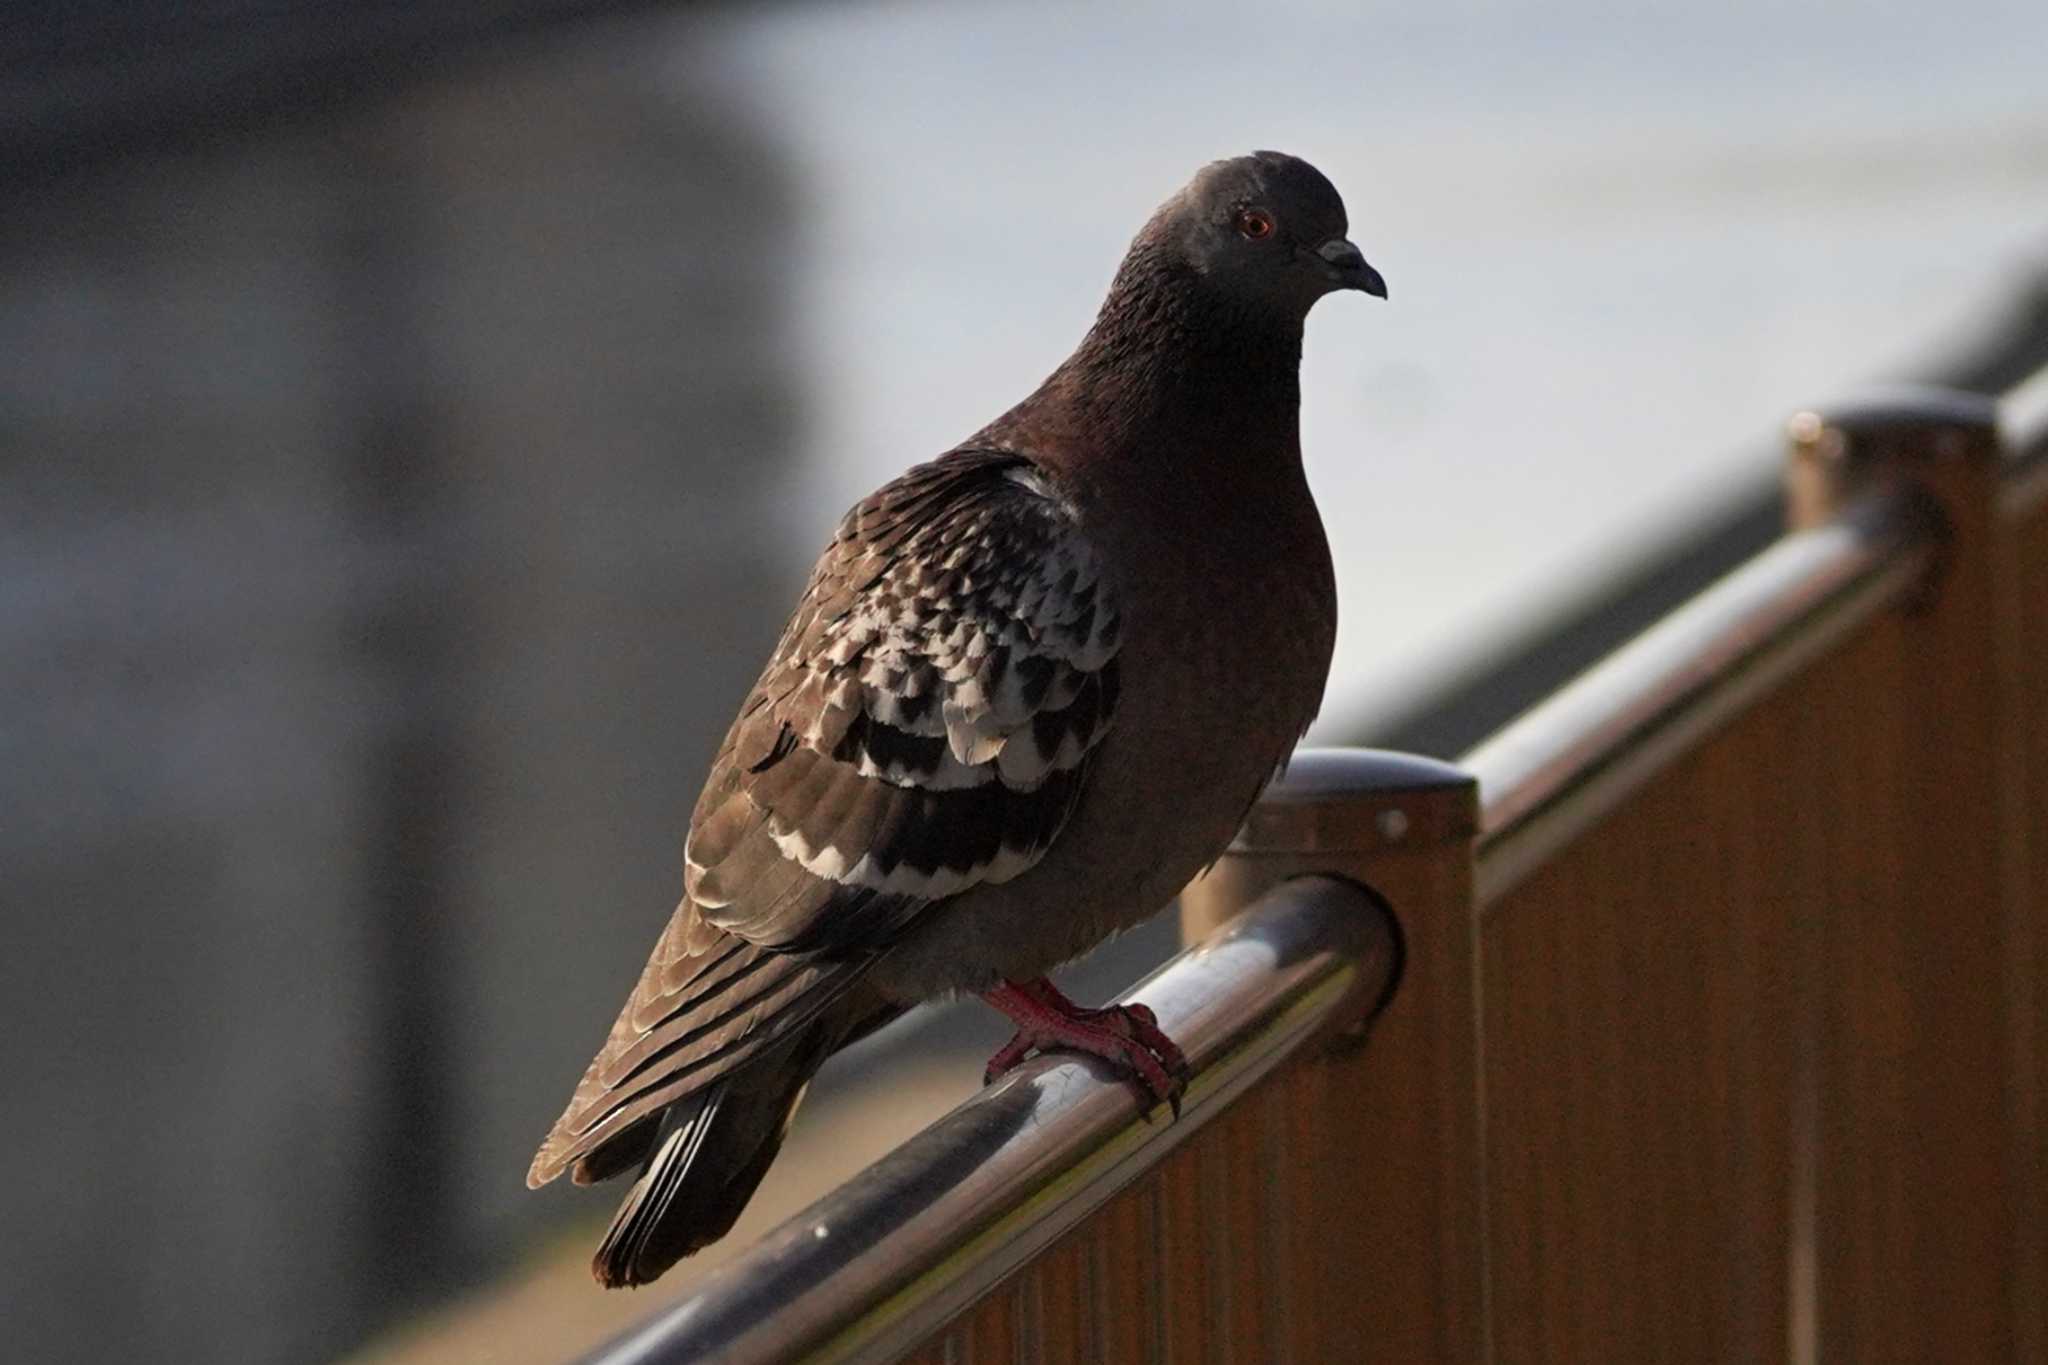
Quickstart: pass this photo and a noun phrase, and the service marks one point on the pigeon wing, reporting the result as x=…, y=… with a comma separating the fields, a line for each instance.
x=924, y=726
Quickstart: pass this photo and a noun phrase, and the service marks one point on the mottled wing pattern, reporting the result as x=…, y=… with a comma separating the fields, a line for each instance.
x=927, y=720
x=923, y=727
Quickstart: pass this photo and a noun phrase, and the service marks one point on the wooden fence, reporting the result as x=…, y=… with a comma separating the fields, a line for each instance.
x=1717, y=1033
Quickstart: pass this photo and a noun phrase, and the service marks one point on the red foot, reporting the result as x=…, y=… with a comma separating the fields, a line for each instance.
x=1125, y=1035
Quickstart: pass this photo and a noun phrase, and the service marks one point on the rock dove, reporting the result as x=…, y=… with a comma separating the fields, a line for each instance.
x=1031, y=689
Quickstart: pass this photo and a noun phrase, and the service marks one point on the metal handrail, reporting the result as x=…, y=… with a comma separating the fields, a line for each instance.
x=1552, y=773
x=880, y=1264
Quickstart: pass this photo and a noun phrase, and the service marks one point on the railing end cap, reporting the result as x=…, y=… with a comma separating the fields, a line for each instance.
x=1361, y=800
x=1873, y=416
x=1318, y=774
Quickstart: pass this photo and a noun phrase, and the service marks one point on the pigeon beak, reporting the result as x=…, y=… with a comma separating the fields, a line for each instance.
x=1348, y=268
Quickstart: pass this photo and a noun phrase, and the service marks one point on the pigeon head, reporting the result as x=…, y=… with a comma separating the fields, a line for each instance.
x=1268, y=230
x=1198, y=342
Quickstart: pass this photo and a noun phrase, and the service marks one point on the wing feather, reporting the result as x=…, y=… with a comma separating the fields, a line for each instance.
x=924, y=726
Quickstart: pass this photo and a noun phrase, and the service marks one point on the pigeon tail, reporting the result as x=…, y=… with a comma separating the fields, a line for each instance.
x=710, y=1152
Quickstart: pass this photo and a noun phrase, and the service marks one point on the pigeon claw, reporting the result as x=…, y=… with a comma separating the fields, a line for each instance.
x=1128, y=1037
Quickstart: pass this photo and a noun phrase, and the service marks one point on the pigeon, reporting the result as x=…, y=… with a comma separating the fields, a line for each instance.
x=1031, y=689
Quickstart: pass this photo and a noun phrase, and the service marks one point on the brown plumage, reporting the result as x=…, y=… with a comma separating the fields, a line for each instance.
x=1029, y=690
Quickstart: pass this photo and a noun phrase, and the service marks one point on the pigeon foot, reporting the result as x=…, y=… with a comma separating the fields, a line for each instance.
x=1127, y=1036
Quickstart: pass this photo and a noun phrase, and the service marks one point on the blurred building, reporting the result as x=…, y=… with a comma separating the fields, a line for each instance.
x=369, y=482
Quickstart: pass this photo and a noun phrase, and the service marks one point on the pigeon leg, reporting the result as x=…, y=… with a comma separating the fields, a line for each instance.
x=1126, y=1035
x=1139, y=1020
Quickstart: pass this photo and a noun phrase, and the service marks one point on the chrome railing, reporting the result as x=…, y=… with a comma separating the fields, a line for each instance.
x=879, y=1266
x=881, y=1263
x=1570, y=760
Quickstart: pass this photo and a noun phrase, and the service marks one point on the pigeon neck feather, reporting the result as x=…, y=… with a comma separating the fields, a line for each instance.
x=1174, y=370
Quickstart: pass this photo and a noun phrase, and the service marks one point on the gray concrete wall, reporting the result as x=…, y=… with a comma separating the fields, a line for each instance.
x=381, y=515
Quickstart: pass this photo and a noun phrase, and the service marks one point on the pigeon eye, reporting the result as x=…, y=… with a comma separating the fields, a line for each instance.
x=1256, y=224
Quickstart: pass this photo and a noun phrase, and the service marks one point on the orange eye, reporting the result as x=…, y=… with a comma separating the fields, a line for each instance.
x=1257, y=224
